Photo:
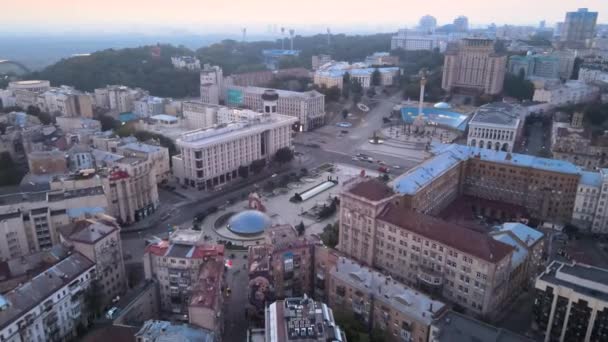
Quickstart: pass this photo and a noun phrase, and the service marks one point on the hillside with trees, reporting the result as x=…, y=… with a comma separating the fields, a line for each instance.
x=133, y=67
x=137, y=67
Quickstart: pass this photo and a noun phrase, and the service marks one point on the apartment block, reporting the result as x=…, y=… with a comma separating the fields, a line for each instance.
x=453, y=326
x=404, y=314
x=158, y=331
x=463, y=265
x=282, y=267
x=32, y=214
x=545, y=188
x=199, y=115
x=118, y=98
x=473, y=66
x=211, y=157
x=332, y=74
x=308, y=107
x=132, y=189
x=157, y=155
x=51, y=305
x=301, y=319
x=99, y=240
x=578, y=30
x=570, y=93
x=190, y=279
x=570, y=303
x=211, y=84
x=149, y=106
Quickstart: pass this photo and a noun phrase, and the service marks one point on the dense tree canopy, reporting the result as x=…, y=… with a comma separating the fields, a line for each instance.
x=135, y=67
x=518, y=87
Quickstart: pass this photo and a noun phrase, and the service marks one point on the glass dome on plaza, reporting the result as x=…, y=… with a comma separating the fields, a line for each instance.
x=249, y=222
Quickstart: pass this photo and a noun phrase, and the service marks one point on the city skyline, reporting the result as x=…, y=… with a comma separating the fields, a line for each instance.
x=198, y=17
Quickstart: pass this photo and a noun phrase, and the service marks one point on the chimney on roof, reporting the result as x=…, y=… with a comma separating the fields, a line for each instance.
x=508, y=156
x=431, y=307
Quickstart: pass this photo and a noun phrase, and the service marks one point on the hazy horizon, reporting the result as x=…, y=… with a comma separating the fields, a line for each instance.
x=264, y=17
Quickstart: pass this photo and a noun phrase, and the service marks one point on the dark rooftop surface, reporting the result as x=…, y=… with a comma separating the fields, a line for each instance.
x=372, y=189
x=457, y=327
x=466, y=240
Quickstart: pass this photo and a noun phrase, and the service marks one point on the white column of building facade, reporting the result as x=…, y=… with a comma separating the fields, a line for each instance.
x=492, y=136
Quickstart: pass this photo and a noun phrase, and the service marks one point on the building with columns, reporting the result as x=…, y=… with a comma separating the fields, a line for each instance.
x=570, y=303
x=496, y=126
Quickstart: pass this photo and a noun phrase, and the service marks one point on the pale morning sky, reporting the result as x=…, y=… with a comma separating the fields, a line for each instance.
x=226, y=15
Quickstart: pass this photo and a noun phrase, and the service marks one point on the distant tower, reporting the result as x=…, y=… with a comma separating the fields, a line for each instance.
x=328, y=37
x=282, y=38
x=244, y=30
x=291, y=35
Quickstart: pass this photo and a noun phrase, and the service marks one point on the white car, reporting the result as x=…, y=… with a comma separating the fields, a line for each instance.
x=396, y=167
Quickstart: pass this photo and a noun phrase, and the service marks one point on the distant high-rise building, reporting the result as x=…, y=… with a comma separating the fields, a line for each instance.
x=427, y=24
x=474, y=65
x=579, y=28
x=461, y=24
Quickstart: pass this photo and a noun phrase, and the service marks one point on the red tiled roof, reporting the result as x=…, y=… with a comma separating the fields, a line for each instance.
x=371, y=189
x=465, y=240
x=207, y=251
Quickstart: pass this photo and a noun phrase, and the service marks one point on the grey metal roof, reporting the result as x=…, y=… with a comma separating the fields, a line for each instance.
x=500, y=113
x=457, y=327
x=37, y=290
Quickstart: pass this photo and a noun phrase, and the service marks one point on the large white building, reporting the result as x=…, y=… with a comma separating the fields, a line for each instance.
x=186, y=62
x=211, y=157
x=50, y=306
x=591, y=203
x=308, y=107
x=211, y=84
x=589, y=75
x=496, y=126
x=332, y=74
x=570, y=93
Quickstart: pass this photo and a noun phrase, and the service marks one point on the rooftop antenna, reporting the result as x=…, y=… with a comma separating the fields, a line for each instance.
x=291, y=34
x=328, y=36
x=244, y=30
x=282, y=38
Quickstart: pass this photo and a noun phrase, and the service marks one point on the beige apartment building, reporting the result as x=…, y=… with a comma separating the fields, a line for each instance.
x=211, y=157
x=543, y=188
x=99, y=240
x=157, y=155
x=464, y=266
x=308, y=107
x=199, y=115
x=131, y=189
x=404, y=314
x=31, y=214
x=473, y=66
x=190, y=278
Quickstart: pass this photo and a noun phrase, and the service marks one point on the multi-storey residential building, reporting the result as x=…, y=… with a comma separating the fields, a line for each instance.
x=190, y=278
x=474, y=66
x=160, y=331
x=31, y=214
x=99, y=240
x=199, y=114
x=570, y=93
x=546, y=188
x=570, y=303
x=284, y=262
x=156, y=154
x=319, y=60
x=453, y=326
x=211, y=157
x=577, y=144
x=527, y=260
x=66, y=101
x=149, y=106
x=118, y=98
x=464, y=266
x=403, y=313
x=461, y=24
x=544, y=66
x=262, y=78
x=186, y=62
x=578, y=30
x=496, y=126
x=301, y=319
x=132, y=189
x=308, y=107
x=212, y=84
x=591, y=205
x=591, y=74
x=47, y=162
x=51, y=305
